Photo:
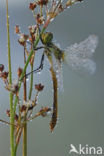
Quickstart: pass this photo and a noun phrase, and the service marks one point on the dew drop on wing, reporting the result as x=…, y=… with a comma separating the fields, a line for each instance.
x=39, y=72
x=79, y=56
x=57, y=66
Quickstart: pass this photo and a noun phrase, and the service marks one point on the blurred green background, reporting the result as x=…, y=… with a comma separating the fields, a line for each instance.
x=81, y=105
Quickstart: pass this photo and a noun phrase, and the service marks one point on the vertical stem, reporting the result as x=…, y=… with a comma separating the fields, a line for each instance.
x=10, y=82
x=25, y=125
x=24, y=140
x=31, y=83
x=31, y=80
x=24, y=86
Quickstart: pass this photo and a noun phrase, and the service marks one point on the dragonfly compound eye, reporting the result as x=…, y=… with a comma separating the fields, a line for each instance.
x=47, y=38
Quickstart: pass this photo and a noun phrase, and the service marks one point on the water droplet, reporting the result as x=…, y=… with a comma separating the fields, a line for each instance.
x=52, y=19
x=68, y=7
x=39, y=72
x=27, y=79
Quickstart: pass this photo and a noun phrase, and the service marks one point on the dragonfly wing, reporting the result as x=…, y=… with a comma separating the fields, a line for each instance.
x=85, y=48
x=57, y=66
x=78, y=56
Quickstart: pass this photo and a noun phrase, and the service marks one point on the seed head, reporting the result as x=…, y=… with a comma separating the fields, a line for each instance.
x=23, y=108
x=17, y=29
x=16, y=117
x=32, y=6
x=23, y=38
x=19, y=71
x=8, y=112
x=4, y=75
x=43, y=112
x=39, y=87
x=42, y=2
x=39, y=19
x=1, y=67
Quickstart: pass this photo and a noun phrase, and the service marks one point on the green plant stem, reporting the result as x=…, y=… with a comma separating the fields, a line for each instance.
x=24, y=140
x=15, y=149
x=10, y=82
x=31, y=83
x=24, y=152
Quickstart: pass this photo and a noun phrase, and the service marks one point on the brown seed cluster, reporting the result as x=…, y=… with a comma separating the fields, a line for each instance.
x=32, y=6
x=39, y=87
x=1, y=67
x=3, y=74
x=17, y=29
x=51, y=8
x=19, y=72
x=8, y=114
x=43, y=112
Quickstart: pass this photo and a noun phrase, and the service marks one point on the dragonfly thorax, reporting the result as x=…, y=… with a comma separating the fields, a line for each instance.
x=47, y=38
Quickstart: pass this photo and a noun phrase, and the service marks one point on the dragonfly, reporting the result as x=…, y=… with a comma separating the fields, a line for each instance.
x=78, y=57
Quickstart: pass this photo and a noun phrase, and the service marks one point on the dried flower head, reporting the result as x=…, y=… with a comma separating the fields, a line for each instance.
x=60, y=8
x=42, y=2
x=70, y=2
x=43, y=112
x=21, y=41
x=23, y=108
x=19, y=71
x=32, y=29
x=17, y=29
x=1, y=67
x=16, y=117
x=13, y=88
x=23, y=38
x=32, y=6
x=8, y=112
x=4, y=75
x=39, y=19
x=39, y=87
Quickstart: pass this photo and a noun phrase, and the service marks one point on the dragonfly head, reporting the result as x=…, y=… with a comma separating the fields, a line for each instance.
x=47, y=38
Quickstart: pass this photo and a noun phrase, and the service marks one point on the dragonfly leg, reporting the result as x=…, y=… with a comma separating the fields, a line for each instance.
x=38, y=69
